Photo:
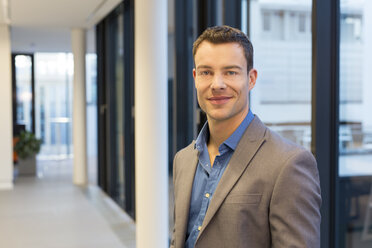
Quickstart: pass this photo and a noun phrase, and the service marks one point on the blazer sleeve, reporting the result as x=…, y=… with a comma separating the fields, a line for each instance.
x=294, y=212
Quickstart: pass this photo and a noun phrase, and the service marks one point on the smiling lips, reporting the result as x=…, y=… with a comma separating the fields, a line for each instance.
x=218, y=100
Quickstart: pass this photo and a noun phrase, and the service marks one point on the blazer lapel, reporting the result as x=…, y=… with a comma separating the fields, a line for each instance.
x=185, y=180
x=249, y=144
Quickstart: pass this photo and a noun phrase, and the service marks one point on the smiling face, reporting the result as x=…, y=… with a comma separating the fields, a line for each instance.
x=222, y=81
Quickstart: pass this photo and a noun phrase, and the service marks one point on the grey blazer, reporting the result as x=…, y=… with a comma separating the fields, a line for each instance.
x=268, y=196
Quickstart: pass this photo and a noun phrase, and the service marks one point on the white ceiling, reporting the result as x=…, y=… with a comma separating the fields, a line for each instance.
x=44, y=25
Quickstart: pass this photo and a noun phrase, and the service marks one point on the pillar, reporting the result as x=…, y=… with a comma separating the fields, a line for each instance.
x=78, y=37
x=6, y=130
x=151, y=124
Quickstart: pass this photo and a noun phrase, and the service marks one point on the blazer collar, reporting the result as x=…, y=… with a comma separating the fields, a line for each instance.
x=250, y=143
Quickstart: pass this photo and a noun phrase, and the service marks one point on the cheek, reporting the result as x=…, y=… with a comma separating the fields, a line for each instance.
x=199, y=95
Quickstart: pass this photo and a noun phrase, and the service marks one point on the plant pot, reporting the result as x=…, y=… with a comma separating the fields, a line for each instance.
x=27, y=167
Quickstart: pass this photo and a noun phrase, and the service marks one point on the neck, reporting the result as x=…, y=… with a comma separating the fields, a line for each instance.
x=219, y=131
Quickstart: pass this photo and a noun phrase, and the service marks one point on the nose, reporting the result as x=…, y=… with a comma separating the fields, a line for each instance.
x=218, y=82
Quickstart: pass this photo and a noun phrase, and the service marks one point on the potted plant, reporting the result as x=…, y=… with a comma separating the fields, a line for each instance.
x=26, y=148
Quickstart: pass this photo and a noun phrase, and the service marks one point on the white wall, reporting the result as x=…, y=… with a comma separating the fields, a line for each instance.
x=6, y=133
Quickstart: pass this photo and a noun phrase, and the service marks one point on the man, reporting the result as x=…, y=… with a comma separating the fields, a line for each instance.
x=240, y=184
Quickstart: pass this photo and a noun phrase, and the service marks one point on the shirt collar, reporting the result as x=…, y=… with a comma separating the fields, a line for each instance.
x=232, y=141
x=202, y=137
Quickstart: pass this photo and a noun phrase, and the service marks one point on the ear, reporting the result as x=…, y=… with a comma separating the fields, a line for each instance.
x=252, y=78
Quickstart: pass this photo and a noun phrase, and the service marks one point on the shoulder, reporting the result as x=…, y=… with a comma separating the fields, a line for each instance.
x=272, y=141
x=287, y=162
x=185, y=152
x=275, y=152
x=284, y=148
x=184, y=156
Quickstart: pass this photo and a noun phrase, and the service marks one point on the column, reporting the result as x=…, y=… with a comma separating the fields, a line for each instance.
x=6, y=130
x=79, y=107
x=151, y=124
x=367, y=65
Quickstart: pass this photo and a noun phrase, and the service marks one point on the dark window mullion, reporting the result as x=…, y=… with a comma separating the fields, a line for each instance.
x=325, y=105
x=232, y=11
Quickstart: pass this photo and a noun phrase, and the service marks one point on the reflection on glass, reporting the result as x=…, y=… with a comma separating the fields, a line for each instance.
x=281, y=35
x=355, y=133
x=23, y=73
x=119, y=104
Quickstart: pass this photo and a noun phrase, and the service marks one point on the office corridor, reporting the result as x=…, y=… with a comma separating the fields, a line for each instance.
x=48, y=211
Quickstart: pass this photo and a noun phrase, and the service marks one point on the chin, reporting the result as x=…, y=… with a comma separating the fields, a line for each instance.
x=218, y=116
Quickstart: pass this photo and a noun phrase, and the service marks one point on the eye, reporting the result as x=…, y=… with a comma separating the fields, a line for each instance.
x=231, y=73
x=204, y=73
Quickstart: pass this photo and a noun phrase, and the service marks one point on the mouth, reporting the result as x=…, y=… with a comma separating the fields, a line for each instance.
x=218, y=100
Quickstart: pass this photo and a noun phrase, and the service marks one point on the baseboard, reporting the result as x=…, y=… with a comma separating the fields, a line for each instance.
x=6, y=186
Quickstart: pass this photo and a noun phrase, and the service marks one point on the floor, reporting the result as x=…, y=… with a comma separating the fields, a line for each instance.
x=49, y=211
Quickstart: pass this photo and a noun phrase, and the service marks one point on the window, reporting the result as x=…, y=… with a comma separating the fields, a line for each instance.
x=302, y=23
x=53, y=91
x=282, y=95
x=355, y=132
x=24, y=95
x=266, y=21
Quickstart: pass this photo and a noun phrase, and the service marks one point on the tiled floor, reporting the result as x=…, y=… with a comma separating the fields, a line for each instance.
x=48, y=211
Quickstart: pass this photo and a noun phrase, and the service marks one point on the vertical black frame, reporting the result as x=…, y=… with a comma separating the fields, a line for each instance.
x=207, y=14
x=184, y=83
x=112, y=27
x=232, y=14
x=129, y=107
x=14, y=89
x=101, y=105
x=325, y=111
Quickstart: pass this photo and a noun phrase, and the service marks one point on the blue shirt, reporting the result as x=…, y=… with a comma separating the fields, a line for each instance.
x=207, y=176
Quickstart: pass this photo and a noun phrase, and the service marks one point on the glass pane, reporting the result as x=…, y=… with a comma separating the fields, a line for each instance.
x=355, y=133
x=280, y=32
x=23, y=73
x=53, y=103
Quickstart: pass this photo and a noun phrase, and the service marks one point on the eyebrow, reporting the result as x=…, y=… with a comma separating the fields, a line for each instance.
x=232, y=67
x=204, y=67
x=225, y=67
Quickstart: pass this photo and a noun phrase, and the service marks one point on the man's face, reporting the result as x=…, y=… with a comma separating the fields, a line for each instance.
x=222, y=81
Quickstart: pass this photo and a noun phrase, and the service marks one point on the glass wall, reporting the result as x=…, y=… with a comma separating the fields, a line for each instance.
x=355, y=131
x=117, y=117
x=280, y=32
x=115, y=91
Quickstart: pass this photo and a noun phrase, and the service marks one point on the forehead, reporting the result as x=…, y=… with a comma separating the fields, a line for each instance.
x=211, y=53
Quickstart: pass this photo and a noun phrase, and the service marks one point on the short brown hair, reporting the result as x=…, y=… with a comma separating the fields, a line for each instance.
x=226, y=34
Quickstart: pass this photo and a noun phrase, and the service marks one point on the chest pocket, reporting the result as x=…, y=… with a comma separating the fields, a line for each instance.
x=243, y=199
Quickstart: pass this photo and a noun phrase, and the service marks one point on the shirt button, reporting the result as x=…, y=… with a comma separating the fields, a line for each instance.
x=199, y=228
x=207, y=195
